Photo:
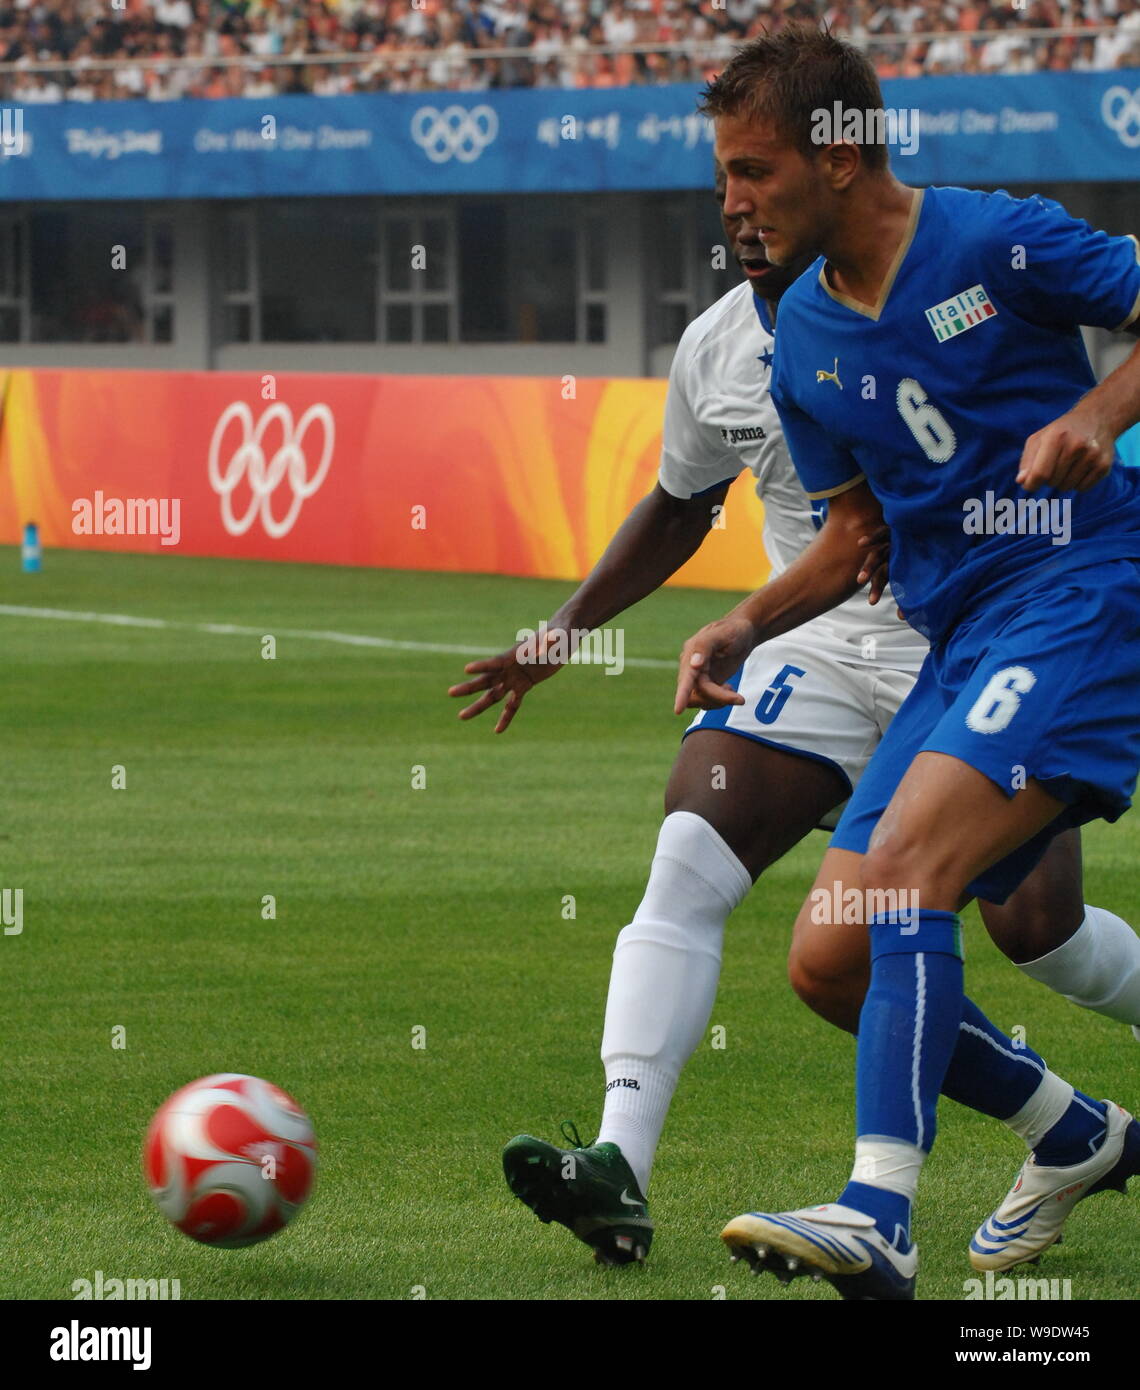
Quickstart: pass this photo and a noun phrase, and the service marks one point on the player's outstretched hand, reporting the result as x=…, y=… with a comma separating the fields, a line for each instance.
x=707, y=659
x=1071, y=454
x=506, y=677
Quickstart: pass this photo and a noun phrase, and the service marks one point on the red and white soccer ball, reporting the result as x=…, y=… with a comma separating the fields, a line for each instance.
x=230, y=1159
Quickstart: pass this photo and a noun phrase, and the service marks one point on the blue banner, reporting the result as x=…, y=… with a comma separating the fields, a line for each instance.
x=1037, y=128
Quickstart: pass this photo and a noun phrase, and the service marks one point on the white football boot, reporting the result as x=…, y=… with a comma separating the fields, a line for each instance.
x=1035, y=1208
x=832, y=1242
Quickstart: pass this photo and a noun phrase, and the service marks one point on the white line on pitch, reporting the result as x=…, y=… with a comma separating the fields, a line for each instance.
x=347, y=639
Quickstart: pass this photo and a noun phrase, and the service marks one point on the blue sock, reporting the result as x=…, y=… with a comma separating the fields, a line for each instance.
x=891, y=1210
x=1076, y=1136
x=987, y=1072
x=907, y=1033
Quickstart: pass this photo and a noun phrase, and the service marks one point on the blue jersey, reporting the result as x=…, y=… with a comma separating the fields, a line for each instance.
x=1128, y=447
x=973, y=347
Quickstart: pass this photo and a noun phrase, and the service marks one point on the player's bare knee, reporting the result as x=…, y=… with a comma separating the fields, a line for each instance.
x=805, y=981
x=1030, y=924
x=834, y=994
x=1009, y=932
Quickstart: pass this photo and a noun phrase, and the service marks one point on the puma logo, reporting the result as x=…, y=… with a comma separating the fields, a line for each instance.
x=830, y=376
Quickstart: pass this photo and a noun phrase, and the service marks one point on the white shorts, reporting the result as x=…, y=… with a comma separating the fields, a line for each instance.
x=801, y=699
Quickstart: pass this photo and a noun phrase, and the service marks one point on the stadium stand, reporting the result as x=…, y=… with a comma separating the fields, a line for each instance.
x=86, y=50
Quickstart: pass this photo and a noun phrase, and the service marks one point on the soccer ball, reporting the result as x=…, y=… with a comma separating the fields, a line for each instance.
x=230, y=1159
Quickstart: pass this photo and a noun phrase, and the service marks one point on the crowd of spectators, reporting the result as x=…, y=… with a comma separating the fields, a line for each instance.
x=472, y=45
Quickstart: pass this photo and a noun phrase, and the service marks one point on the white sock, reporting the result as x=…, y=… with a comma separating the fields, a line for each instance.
x=1042, y=1110
x=1097, y=968
x=664, y=980
x=888, y=1163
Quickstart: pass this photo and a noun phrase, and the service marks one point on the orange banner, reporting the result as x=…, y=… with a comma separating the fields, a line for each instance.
x=500, y=475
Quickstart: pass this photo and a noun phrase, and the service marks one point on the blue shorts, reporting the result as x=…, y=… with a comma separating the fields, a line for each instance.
x=1044, y=683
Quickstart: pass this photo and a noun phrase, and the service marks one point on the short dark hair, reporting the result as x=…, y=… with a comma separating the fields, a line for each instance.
x=789, y=76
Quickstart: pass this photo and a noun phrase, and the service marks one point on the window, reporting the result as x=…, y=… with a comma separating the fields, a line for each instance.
x=482, y=268
x=237, y=256
x=368, y=270
x=683, y=234
x=159, y=297
x=316, y=270
x=592, y=278
x=533, y=270
x=13, y=287
x=417, y=279
x=90, y=276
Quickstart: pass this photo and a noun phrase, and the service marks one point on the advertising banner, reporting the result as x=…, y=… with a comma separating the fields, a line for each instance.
x=969, y=130
x=496, y=475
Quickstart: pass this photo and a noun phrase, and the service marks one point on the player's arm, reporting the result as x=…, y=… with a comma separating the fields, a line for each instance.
x=1066, y=274
x=663, y=531
x=660, y=534
x=1077, y=450
x=832, y=568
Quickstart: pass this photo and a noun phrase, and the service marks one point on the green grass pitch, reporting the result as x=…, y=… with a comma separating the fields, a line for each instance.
x=400, y=909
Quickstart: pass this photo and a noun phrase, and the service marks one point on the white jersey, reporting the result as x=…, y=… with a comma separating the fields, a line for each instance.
x=719, y=418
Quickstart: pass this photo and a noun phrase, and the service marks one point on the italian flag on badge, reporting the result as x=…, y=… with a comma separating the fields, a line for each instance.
x=963, y=311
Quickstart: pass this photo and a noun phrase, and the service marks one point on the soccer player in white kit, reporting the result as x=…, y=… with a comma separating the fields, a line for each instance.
x=816, y=703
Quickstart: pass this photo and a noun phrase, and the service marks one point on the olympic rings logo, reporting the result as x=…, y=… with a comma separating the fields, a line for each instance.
x=454, y=132
x=1120, y=110
x=287, y=463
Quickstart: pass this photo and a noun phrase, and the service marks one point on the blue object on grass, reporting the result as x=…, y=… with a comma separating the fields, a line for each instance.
x=31, y=554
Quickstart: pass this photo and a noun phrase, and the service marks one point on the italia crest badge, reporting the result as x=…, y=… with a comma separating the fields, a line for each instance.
x=957, y=315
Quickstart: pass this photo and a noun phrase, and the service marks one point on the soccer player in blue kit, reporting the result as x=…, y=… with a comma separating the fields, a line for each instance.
x=929, y=372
